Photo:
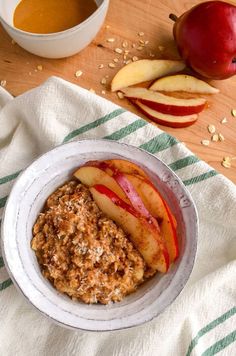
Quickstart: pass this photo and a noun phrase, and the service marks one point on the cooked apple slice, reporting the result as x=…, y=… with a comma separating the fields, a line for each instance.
x=183, y=82
x=90, y=176
x=142, y=234
x=144, y=70
x=165, y=119
x=126, y=167
x=164, y=103
x=158, y=208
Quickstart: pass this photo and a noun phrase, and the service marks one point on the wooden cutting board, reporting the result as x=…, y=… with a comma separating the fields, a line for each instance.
x=126, y=18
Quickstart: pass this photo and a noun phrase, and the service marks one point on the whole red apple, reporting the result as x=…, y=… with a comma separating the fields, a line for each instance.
x=206, y=38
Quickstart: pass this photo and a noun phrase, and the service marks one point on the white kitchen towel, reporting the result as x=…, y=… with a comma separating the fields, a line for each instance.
x=202, y=320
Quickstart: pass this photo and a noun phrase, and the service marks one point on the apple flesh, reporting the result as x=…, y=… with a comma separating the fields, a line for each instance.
x=90, y=175
x=165, y=104
x=206, y=38
x=183, y=82
x=144, y=70
x=142, y=234
x=159, y=209
x=165, y=119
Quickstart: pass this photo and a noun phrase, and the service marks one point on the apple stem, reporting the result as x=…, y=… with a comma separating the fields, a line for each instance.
x=173, y=17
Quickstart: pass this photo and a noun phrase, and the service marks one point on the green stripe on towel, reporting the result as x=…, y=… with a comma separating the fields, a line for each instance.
x=200, y=178
x=1, y=262
x=209, y=327
x=93, y=124
x=159, y=143
x=127, y=130
x=183, y=162
x=3, y=201
x=5, y=284
x=220, y=345
x=10, y=177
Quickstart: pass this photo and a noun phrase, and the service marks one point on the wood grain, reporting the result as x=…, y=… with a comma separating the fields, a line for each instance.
x=125, y=19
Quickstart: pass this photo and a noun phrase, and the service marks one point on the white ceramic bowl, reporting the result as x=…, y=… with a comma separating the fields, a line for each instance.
x=26, y=201
x=54, y=45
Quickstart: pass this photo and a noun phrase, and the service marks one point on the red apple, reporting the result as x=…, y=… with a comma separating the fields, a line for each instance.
x=143, y=235
x=164, y=103
x=206, y=38
x=165, y=119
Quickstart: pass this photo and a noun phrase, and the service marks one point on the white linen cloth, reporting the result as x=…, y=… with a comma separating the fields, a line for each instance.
x=202, y=320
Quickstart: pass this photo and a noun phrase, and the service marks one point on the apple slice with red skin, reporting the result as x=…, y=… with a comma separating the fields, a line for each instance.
x=91, y=175
x=165, y=119
x=134, y=197
x=144, y=70
x=183, y=82
x=159, y=209
x=164, y=103
x=143, y=235
x=121, y=165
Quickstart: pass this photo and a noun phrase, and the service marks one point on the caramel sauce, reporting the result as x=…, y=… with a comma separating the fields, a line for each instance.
x=49, y=16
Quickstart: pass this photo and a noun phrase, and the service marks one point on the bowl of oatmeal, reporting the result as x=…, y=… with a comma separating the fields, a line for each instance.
x=75, y=263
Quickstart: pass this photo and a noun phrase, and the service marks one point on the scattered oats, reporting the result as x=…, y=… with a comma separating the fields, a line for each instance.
x=205, y=142
x=40, y=67
x=106, y=76
x=140, y=48
x=120, y=95
x=78, y=73
x=111, y=65
x=101, y=66
x=161, y=48
x=110, y=40
x=133, y=45
x=13, y=42
x=30, y=73
x=151, y=54
x=211, y=129
x=107, y=26
x=215, y=138
x=125, y=57
x=118, y=50
x=36, y=70
x=224, y=120
x=115, y=60
x=103, y=92
x=221, y=137
x=146, y=42
x=233, y=112
x=135, y=58
x=226, y=162
x=125, y=44
x=3, y=83
x=92, y=91
x=141, y=41
x=140, y=34
x=103, y=81
x=126, y=51
x=129, y=61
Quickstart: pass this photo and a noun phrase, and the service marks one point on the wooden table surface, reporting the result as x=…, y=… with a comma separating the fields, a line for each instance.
x=124, y=20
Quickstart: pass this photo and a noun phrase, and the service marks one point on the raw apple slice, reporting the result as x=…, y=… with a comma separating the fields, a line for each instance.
x=183, y=82
x=164, y=103
x=159, y=209
x=165, y=119
x=142, y=234
x=90, y=176
x=144, y=70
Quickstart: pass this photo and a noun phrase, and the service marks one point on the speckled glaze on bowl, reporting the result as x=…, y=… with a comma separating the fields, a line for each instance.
x=25, y=202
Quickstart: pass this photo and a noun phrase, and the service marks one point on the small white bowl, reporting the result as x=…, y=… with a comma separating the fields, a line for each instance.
x=54, y=45
x=26, y=201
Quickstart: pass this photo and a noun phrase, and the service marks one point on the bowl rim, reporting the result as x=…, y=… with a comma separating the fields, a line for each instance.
x=60, y=34
x=180, y=286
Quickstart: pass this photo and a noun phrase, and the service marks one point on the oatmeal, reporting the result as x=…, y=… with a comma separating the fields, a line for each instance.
x=82, y=252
